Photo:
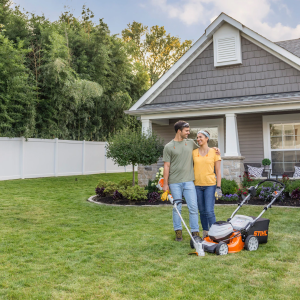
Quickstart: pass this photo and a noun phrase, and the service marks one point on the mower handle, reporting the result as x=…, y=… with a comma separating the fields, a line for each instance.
x=272, y=180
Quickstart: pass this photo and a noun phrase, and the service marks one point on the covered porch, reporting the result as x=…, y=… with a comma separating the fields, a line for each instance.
x=245, y=135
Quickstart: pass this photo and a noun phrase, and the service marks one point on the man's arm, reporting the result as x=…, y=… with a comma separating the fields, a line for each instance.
x=217, y=150
x=166, y=176
x=195, y=146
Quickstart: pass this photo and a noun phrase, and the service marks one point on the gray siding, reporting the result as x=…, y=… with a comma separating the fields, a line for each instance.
x=260, y=73
x=250, y=132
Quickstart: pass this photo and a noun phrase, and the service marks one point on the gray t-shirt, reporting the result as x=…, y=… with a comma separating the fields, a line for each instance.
x=180, y=157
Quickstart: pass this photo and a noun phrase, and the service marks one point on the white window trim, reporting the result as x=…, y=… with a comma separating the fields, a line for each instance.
x=219, y=123
x=275, y=119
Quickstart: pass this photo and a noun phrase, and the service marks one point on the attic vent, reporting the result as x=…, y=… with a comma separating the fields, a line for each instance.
x=226, y=49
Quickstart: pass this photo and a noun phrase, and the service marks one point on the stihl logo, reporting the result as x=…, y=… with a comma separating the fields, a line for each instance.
x=261, y=233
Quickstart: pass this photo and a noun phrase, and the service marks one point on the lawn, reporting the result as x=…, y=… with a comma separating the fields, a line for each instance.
x=56, y=245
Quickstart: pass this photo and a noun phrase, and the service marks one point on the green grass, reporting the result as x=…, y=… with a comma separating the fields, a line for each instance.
x=56, y=245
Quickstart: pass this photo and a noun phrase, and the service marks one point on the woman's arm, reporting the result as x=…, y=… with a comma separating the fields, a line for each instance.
x=218, y=172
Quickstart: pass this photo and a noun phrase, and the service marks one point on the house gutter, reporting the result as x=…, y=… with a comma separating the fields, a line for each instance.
x=214, y=106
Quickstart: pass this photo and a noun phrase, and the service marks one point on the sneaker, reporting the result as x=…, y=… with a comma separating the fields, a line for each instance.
x=205, y=233
x=178, y=234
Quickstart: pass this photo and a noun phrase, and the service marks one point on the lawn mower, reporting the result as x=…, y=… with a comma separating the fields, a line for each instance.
x=238, y=232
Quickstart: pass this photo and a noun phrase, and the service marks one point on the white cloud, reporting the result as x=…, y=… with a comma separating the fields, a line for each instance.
x=251, y=13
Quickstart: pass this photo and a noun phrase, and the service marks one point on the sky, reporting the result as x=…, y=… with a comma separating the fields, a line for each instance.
x=276, y=20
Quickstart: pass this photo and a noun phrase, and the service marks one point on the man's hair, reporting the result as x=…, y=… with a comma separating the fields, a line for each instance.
x=180, y=125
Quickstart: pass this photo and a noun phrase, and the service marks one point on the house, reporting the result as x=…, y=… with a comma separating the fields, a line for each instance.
x=238, y=85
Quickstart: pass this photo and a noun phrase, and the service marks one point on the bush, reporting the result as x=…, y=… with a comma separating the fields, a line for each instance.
x=267, y=191
x=125, y=183
x=248, y=181
x=134, y=193
x=296, y=194
x=100, y=191
x=293, y=185
x=153, y=197
x=111, y=187
x=266, y=162
x=102, y=184
x=228, y=186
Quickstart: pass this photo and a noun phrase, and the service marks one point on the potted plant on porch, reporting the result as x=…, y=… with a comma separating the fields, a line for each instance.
x=266, y=163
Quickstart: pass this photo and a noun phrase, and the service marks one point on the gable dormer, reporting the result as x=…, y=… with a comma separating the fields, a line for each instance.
x=227, y=46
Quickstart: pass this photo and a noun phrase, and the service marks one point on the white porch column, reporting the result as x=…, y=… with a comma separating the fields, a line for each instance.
x=146, y=126
x=232, y=137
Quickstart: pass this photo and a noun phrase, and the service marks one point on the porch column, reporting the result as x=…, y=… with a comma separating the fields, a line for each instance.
x=232, y=137
x=146, y=172
x=146, y=126
x=233, y=162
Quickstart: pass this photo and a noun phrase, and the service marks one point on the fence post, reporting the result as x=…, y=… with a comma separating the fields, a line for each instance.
x=83, y=156
x=105, y=157
x=56, y=157
x=22, y=158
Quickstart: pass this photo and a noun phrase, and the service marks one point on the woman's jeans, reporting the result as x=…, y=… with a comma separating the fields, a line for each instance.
x=206, y=203
x=187, y=189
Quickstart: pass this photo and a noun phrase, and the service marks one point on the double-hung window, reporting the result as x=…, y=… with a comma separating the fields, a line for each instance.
x=284, y=146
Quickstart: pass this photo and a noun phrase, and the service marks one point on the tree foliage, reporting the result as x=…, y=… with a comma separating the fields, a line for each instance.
x=132, y=147
x=154, y=49
x=73, y=79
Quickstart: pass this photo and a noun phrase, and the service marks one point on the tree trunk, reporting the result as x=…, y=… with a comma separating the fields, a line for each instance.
x=133, y=177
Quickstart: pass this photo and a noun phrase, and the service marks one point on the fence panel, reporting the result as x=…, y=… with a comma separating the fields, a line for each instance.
x=44, y=158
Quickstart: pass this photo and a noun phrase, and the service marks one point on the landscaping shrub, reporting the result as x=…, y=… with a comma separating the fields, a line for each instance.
x=102, y=183
x=100, y=191
x=134, y=193
x=125, y=183
x=117, y=195
x=295, y=195
x=153, y=197
x=293, y=185
x=228, y=186
x=111, y=187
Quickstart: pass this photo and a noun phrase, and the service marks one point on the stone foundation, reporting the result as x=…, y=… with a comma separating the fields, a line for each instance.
x=233, y=168
x=145, y=173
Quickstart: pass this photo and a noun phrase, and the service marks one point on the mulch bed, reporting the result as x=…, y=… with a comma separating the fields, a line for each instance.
x=255, y=201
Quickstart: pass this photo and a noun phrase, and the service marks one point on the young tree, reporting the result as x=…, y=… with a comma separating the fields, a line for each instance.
x=132, y=147
x=155, y=50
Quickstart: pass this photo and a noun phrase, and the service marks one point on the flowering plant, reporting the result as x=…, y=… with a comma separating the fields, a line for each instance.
x=242, y=192
x=266, y=193
x=158, y=176
x=247, y=180
x=230, y=197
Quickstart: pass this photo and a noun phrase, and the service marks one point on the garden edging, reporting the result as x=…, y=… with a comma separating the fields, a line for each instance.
x=90, y=199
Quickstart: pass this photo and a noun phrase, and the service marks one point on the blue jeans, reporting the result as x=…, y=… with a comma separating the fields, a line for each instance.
x=187, y=189
x=206, y=203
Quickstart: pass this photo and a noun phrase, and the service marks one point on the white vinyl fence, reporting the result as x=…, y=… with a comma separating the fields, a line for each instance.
x=44, y=158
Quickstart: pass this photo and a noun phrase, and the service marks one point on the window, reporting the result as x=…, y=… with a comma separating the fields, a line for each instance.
x=213, y=141
x=285, y=146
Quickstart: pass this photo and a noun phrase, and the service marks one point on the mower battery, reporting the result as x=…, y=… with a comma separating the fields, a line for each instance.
x=260, y=229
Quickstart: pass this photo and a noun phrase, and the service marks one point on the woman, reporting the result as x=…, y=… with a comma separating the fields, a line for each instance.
x=206, y=163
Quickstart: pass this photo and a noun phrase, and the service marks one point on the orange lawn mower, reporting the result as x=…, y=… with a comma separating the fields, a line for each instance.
x=238, y=232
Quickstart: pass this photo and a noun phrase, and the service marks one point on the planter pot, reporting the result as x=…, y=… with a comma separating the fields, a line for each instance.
x=267, y=167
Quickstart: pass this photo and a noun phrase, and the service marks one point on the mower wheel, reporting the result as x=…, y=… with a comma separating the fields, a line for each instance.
x=251, y=243
x=222, y=249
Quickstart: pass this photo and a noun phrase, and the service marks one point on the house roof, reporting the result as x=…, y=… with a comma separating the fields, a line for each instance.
x=292, y=46
x=219, y=103
x=279, y=50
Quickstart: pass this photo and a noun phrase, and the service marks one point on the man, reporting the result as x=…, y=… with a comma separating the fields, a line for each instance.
x=179, y=176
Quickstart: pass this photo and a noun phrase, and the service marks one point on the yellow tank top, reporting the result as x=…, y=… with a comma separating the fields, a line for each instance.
x=204, y=167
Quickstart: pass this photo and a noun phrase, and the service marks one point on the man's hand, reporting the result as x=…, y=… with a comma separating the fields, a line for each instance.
x=217, y=150
x=166, y=187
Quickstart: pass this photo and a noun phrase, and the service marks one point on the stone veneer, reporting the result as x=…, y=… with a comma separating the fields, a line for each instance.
x=233, y=168
x=145, y=173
